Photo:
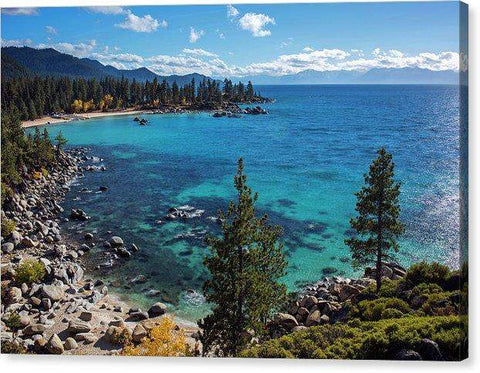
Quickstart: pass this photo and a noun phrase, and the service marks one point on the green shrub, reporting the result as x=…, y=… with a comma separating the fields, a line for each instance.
x=13, y=321
x=369, y=340
x=6, y=192
x=391, y=313
x=30, y=271
x=7, y=227
x=425, y=289
x=428, y=273
x=12, y=347
x=372, y=310
x=438, y=304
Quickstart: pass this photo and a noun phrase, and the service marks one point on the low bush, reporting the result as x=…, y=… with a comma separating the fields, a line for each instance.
x=30, y=271
x=428, y=273
x=368, y=340
x=13, y=322
x=372, y=310
x=7, y=227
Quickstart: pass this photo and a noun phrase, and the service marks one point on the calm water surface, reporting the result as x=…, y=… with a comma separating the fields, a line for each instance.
x=306, y=159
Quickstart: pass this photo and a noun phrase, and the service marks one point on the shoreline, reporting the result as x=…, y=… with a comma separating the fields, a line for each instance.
x=70, y=304
x=48, y=120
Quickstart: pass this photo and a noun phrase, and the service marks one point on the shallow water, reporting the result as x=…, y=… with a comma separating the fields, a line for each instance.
x=306, y=159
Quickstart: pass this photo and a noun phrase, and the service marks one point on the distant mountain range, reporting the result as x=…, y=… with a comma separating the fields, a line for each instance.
x=26, y=61
x=412, y=75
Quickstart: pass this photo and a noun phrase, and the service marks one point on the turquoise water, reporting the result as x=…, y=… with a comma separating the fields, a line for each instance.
x=306, y=159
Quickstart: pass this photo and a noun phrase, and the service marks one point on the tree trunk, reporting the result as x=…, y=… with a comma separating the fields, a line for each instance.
x=239, y=321
x=378, y=272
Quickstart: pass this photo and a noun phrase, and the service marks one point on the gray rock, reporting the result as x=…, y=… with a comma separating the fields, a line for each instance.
x=15, y=295
x=78, y=326
x=34, y=329
x=286, y=320
x=7, y=247
x=54, y=345
x=53, y=292
x=407, y=355
x=139, y=316
x=116, y=241
x=157, y=309
x=70, y=344
x=429, y=350
x=314, y=318
x=139, y=333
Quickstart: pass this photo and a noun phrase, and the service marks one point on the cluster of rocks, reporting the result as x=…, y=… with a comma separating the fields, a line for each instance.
x=254, y=110
x=183, y=212
x=327, y=301
x=65, y=313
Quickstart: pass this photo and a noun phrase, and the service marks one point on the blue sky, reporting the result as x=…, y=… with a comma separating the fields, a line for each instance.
x=238, y=40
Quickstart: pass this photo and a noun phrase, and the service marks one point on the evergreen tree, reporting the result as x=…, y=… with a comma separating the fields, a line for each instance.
x=377, y=225
x=61, y=141
x=245, y=265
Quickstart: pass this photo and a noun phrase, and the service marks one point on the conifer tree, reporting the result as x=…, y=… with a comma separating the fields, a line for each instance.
x=61, y=141
x=377, y=225
x=245, y=265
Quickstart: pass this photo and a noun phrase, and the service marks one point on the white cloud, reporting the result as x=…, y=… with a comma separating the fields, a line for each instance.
x=20, y=11
x=141, y=24
x=199, y=52
x=16, y=43
x=255, y=23
x=195, y=35
x=232, y=12
x=77, y=50
x=51, y=30
x=106, y=9
x=308, y=49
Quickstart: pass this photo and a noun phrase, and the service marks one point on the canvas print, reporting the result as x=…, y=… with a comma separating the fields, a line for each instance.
x=236, y=180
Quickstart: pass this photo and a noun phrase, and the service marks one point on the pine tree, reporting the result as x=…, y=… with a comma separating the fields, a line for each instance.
x=61, y=141
x=245, y=265
x=377, y=224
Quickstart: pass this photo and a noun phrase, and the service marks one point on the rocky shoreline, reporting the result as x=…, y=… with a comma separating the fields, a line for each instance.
x=66, y=312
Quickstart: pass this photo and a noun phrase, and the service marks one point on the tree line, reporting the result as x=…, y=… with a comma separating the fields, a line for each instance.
x=37, y=96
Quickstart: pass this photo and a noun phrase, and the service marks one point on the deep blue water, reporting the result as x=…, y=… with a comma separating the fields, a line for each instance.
x=306, y=159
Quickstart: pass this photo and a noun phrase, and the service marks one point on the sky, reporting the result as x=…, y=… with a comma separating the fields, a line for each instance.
x=246, y=40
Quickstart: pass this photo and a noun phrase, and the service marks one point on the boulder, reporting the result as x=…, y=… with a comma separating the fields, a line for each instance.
x=308, y=301
x=348, y=291
x=157, y=309
x=34, y=329
x=78, y=326
x=407, y=355
x=86, y=316
x=86, y=337
x=314, y=318
x=429, y=350
x=138, y=316
x=139, y=333
x=53, y=292
x=115, y=241
x=70, y=344
x=286, y=320
x=7, y=247
x=15, y=295
x=54, y=345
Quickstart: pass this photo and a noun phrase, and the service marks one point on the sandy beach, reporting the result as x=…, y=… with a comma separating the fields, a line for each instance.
x=49, y=120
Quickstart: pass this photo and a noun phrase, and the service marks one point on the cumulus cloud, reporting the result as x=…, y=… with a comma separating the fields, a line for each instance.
x=20, y=11
x=77, y=50
x=199, y=52
x=51, y=30
x=195, y=35
x=141, y=24
x=308, y=49
x=16, y=42
x=106, y=9
x=255, y=23
x=232, y=12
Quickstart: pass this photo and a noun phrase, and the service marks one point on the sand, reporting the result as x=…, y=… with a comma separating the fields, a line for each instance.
x=49, y=120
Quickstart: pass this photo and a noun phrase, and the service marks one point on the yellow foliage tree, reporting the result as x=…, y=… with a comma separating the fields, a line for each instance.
x=162, y=340
x=77, y=106
x=88, y=106
x=107, y=102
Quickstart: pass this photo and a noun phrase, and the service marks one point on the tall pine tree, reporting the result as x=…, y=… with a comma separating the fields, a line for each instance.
x=377, y=224
x=245, y=265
